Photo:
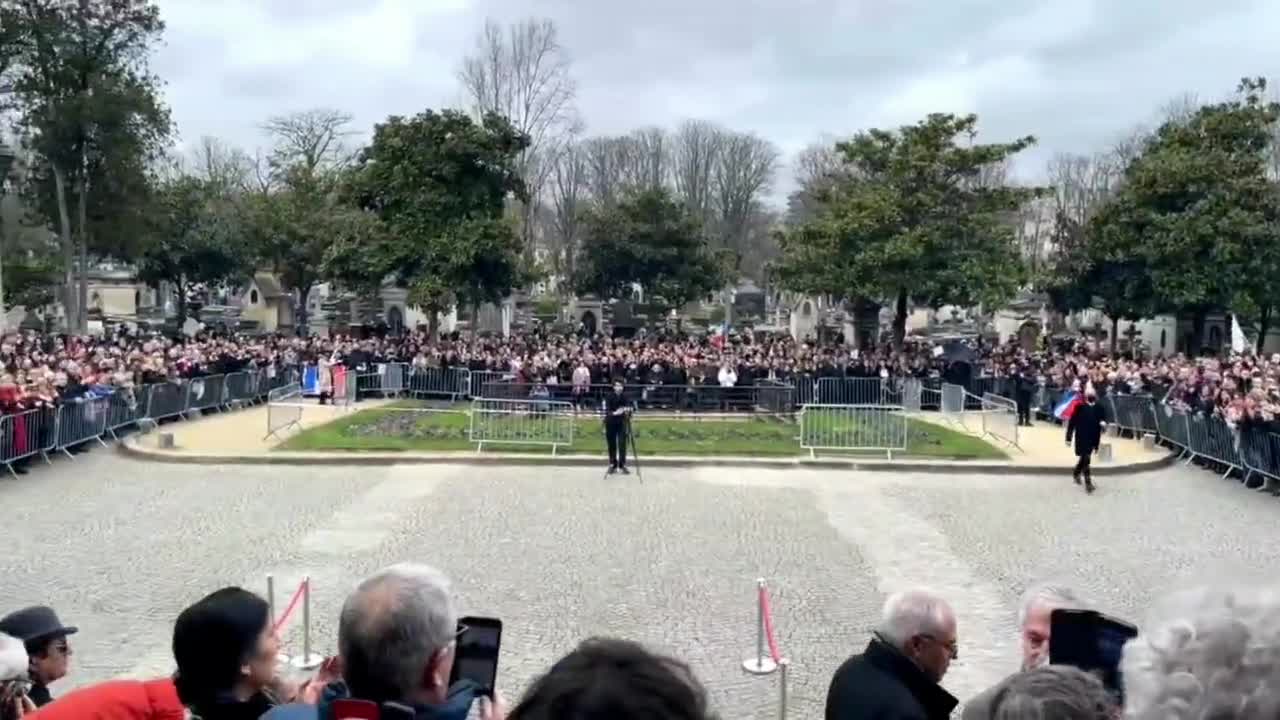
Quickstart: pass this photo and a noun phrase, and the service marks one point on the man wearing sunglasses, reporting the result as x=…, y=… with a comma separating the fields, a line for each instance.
x=45, y=637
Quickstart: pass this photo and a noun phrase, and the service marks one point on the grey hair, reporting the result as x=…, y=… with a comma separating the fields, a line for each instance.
x=1210, y=653
x=910, y=613
x=1053, y=692
x=1051, y=595
x=390, y=628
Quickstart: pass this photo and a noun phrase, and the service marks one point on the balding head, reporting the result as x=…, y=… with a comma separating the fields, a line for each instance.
x=396, y=634
x=922, y=626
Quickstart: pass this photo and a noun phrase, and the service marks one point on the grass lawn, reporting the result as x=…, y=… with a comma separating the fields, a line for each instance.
x=393, y=429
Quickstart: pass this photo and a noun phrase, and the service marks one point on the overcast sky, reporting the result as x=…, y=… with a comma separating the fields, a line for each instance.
x=1075, y=73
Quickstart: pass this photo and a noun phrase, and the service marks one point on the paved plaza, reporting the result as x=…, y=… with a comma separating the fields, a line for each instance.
x=119, y=546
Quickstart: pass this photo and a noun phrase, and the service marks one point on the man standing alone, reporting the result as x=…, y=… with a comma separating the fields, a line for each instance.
x=1086, y=425
x=616, y=414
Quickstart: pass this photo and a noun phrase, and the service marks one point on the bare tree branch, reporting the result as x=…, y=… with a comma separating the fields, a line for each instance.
x=523, y=74
x=312, y=140
x=695, y=153
x=744, y=171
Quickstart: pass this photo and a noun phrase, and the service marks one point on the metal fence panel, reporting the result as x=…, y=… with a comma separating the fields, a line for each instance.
x=952, y=401
x=478, y=379
x=284, y=408
x=240, y=387
x=455, y=382
x=1000, y=418
x=127, y=406
x=878, y=428
x=774, y=396
x=80, y=421
x=204, y=393
x=25, y=434
x=166, y=400
x=521, y=422
x=857, y=391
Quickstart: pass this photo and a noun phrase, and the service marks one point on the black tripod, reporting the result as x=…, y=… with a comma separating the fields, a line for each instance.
x=628, y=440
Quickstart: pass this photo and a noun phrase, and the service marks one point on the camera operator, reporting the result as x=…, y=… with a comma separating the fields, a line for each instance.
x=617, y=416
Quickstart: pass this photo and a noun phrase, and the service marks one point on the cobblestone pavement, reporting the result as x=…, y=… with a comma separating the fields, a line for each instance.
x=120, y=546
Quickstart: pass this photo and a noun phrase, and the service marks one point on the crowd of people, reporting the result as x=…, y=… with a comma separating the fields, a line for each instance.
x=43, y=370
x=1213, y=653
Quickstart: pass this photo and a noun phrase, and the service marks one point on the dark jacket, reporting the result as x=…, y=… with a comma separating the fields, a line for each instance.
x=455, y=707
x=1086, y=425
x=883, y=684
x=229, y=708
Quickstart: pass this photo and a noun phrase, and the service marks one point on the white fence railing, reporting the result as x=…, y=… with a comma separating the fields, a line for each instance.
x=1000, y=419
x=853, y=428
x=521, y=422
x=284, y=409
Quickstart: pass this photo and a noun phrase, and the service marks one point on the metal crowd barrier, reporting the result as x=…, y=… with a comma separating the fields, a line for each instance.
x=454, y=382
x=1000, y=418
x=284, y=408
x=775, y=396
x=521, y=422
x=952, y=406
x=646, y=396
x=853, y=428
x=81, y=420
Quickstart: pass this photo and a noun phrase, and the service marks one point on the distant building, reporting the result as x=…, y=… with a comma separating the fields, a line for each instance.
x=266, y=303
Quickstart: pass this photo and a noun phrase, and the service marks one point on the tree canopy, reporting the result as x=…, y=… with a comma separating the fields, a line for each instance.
x=911, y=216
x=651, y=238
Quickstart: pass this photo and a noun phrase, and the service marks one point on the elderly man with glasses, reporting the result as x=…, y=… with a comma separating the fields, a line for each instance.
x=45, y=638
x=898, y=675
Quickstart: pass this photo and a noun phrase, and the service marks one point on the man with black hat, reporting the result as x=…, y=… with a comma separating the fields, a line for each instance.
x=45, y=638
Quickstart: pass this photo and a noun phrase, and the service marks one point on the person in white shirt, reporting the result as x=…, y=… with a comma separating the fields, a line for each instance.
x=727, y=377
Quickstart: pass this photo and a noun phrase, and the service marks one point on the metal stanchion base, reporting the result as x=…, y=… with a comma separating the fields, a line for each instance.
x=307, y=662
x=759, y=666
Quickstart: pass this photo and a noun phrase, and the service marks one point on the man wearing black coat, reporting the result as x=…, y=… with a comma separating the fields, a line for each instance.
x=897, y=677
x=1086, y=425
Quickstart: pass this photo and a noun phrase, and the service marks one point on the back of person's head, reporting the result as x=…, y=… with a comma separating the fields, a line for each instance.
x=396, y=634
x=215, y=641
x=1209, y=653
x=1053, y=692
x=608, y=679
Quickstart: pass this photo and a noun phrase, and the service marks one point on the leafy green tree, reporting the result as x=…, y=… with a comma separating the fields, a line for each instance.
x=196, y=237
x=911, y=217
x=90, y=109
x=438, y=183
x=651, y=238
x=1196, y=207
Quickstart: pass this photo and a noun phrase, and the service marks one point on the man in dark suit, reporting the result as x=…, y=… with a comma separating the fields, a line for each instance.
x=897, y=677
x=1085, y=426
x=617, y=413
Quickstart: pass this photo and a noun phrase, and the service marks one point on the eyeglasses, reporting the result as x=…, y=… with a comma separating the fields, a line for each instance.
x=951, y=646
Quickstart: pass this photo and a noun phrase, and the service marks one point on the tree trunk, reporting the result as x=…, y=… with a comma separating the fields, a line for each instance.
x=69, y=294
x=1264, y=327
x=433, y=324
x=182, y=302
x=82, y=236
x=301, y=320
x=1198, y=318
x=900, y=320
x=474, y=322
x=1115, y=334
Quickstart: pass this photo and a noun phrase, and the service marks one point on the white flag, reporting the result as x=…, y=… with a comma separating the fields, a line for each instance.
x=1239, y=343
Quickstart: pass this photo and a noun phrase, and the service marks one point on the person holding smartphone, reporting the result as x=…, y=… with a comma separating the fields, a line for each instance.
x=617, y=413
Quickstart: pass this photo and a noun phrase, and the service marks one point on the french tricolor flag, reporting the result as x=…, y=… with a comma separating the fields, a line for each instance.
x=1067, y=406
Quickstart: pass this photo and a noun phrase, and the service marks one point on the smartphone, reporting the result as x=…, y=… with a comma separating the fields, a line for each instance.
x=1091, y=641
x=476, y=657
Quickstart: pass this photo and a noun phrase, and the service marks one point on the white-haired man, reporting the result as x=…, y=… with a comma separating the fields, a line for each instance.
x=1210, y=653
x=1034, y=616
x=396, y=639
x=898, y=674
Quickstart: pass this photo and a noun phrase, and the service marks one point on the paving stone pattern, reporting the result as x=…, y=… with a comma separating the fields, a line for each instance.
x=121, y=546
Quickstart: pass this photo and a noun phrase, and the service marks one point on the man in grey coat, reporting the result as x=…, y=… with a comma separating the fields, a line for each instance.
x=1038, y=604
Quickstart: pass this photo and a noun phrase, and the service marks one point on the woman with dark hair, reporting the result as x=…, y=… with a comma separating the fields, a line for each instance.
x=226, y=652
x=609, y=679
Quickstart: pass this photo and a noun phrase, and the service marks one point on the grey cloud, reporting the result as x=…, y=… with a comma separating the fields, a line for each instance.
x=1076, y=73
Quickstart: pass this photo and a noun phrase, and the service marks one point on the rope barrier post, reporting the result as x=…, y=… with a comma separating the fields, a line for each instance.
x=759, y=665
x=783, y=664
x=282, y=658
x=307, y=660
